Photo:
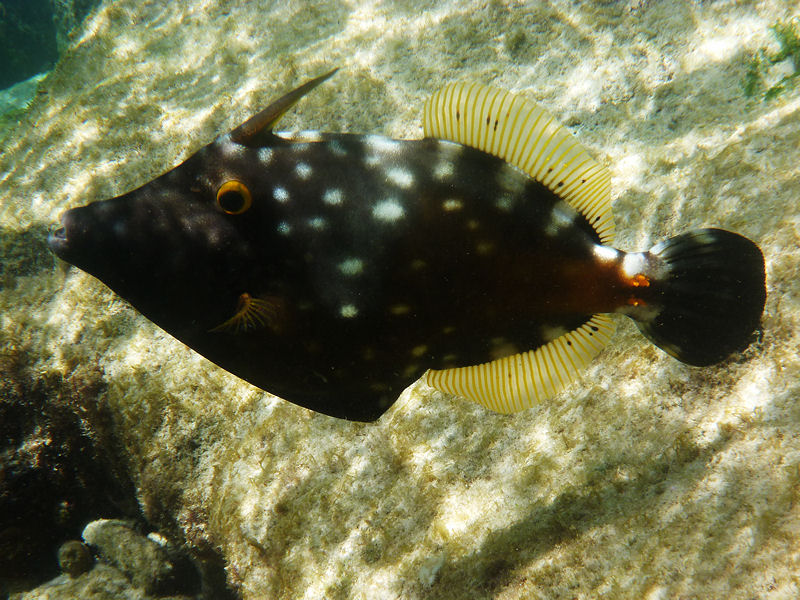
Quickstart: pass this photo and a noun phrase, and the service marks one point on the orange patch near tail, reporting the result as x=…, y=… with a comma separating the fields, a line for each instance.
x=638, y=281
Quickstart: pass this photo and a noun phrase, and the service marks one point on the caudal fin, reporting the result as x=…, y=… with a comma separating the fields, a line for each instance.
x=707, y=297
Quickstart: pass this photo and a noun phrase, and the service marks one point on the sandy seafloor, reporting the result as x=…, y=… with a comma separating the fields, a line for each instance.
x=647, y=479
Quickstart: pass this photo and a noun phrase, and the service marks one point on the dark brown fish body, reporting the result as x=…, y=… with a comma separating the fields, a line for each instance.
x=333, y=270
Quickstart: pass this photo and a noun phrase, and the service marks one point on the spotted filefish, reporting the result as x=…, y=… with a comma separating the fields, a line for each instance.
x=333, y=270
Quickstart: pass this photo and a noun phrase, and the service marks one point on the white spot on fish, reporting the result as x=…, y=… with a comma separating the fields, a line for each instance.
x=559, y=220
x=303, y=170
x=280, y=194
x=389, y=210
x=351, y=267
x=505, y=203
x=348, y=311
x=332, y=196
x=265, y=155
x=443, y=169
x=604, y=253
x=379, y=143
x=450, y=149
x=411, y=370
x=297, y=139
x=551, y=332
x=634, y=263
x=284, y=228
x=484, y=248
x=452, y=204
x=372, y=159
x=311, y=135
x=231, y=150
x=213, y=237
x=502, y=348
x=400, y=309
x=296, y=146
x=400, y=177
x=511, y=179
x=317, y=223
x=228, y=148
x=337, y=148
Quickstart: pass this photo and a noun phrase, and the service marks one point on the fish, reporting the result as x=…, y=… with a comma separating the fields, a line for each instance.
x=335, y=269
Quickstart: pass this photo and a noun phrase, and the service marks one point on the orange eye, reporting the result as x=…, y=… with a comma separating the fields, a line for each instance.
x=233, y=197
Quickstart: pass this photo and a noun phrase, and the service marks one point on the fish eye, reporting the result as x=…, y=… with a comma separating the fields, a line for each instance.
x=233, y=197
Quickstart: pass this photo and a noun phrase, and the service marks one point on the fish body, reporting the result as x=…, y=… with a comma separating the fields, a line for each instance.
x=335, y=269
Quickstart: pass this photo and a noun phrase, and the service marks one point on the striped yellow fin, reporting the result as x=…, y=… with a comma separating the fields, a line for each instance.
x=520, y=381
x=524, y=134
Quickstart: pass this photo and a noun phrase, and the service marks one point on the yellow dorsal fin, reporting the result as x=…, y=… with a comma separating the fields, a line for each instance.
x=520, y=381
x=524, y=134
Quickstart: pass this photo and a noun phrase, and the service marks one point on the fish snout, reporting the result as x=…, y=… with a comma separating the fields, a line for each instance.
x=66, y=241
x=58, y=240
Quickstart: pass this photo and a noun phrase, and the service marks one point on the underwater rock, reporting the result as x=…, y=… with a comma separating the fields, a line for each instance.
x=103, y=582
x=130, y=566
x=142, y=560
x=56, y=471
x=67, y=16
x=74, y=558
x=13, y=104
x=17, y=96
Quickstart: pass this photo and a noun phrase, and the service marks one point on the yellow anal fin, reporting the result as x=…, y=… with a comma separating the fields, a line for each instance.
x=520, y=381
x=254, y=313
x=525, y=135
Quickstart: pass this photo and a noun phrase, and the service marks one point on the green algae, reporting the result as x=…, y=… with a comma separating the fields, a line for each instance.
x=787, y=35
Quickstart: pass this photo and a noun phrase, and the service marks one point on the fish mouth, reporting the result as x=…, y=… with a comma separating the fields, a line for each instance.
x=58, y=240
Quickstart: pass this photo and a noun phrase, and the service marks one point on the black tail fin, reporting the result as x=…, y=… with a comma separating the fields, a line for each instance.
x=709, y=294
